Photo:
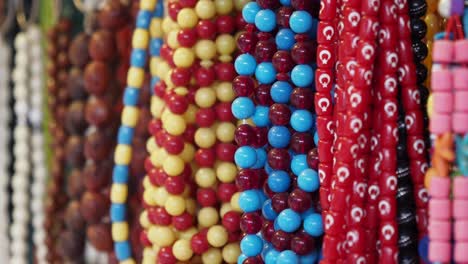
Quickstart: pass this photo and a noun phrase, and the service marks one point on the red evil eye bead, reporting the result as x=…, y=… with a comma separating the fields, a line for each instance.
x=247, y=41
x=281, y=240
x=177, y=104
x=248, y=179
x=279, y=114
x=206, y=197
x=231, y=221
x=279, y=159
x=223, y=112
x=159, y=216
x=206, y=29
x=205, y=157
x=187, y=37
x=226, y=191
x=243, y=86
x=225, y=71
x=199, y=242
x=205, y=76
x=183, y=221
x=302, y=98
x=282, y=16
x=251, y=223
x=225, y=24
x=282, y=61
x=205, y=117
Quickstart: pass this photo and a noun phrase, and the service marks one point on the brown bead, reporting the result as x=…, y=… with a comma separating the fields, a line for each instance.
x=61, y=112
x=102, y=46
x=73, y=218
x=75, y=121
x=99, y=235
x=75, y=186
x=71, y=245
x=98, y=112
x=64, y=26
x=74, y=151
x=51, y=71
x=99, y=145
x=63, y=41
x=62, y=77
x=97, y=175
x=113, y=15
x=78, y=51
x=97, y=77
x=51, y=86
x=94, y=206
x=75, y=84
x=62, y=60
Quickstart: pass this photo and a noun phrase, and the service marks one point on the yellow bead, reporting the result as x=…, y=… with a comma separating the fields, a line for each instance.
x=217, y=236
x=171, y=39
x=432, y=6
x=123, y=154
x=208, y=216
x=430, y=104
x=140, y=39
x=135, y=77
x=205, y=9
x=173, y=165
x=154, y=64
x=205, y=97
x=205, y=137
x=119, y=193
x=144, y=220
x=189, y=233
x=187, y=18
x=188, y=153
x=206, y=63
x=162, y=236
x=150, y=256
x=182, y=250
x=225, y=58
x=235, y=202
x=231, y=252
x=191, y=206
x=225, y=207
x=205, y=49
x=224, y=92
x=226, y=172
x=158, y=156
x=183, y=57
x=224, y=7
x=148, y=5
x=157, y=106
x=225, y=44
x=128, y=261
x=225, y=132
x=119, y=231
x=175, y=205
x=160, y=196
x=239, y=4
x=148, y=198
x=205, y=177
x=212, y=256
x=176, y=126
x=146, y=182
x=168, y=24
x=191, y=114
x=151, y=145
x=156, y=28
x=130, y=116
x=433, y=25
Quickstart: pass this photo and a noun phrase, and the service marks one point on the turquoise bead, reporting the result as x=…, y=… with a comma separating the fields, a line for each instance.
x=125, y=135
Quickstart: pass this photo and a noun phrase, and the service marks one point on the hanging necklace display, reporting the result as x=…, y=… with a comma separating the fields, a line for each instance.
x=5, y=136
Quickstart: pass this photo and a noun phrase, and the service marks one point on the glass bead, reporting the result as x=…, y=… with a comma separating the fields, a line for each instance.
x=282, y=61
x=308, y=180
x=245, y=64
x=251, y=223
x=246, y=41
x=243, y=108
x=279, y=202
x=299, y=163
x=271, y=256
x=223, y=112
x=284, y=39
x=301, y=143
x=225, y=24
x=279, y=136
x=302, y=75
x=260, y=117
x=289, y=221
x=226, y=190
x=279, y=114
x=279, y=181
x=249, y=201
x=287, y=257
x=302, y=244
x=265, y=73
x=300, y=21
x=245, y=157
x=251, y=245
x=264, y=50
x=280, y=92
x=309, y=258
x=313, y=225
x=206, y=29
x=301, y=120
x=281, y=240
x=303, y=52
x=206, y=197
x=282, y=15
x=262, y=94
x=248, y=179
x=231, y=221
x=243, y=86
x=299, y=200
x=279, y=159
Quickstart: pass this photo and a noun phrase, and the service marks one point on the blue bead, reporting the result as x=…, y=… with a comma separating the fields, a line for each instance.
x=316, y=138
x=265, y=73
x=249, y=201
x=301, y=120
x=271, y=256
x=122, y=250
x=118, y=212
x=289, y=221
x=309, y=258
x=268, y=168
x=285, y=2
x=143, y=19
x=300, y=21
x=313, y=225
x=299, y=164
x=307, y=212
x=159, y=10
x=138, y=58
x=423, y=249
x=154, y=81
x=245, y=157
x=308, y=180
x=265, y=20
x=260, y=117
x=249, y=12
x=284, y=39
x=280, y=92
x=245, y=64
x=279, y=136
x=251, y=245
x=276, y=226
x=131, y=96
x=279, y=181
x=267, y=211
x=155, y=46
x=302, y=75
x=261, y=158
x=241, y=258
x=125, y=135
x=120, y=174
x=266, y=248
x=262, y=196
x=287, y=257
x=243, y=108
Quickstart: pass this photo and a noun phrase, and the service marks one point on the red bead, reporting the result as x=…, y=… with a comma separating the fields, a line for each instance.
x=160, y=176
x=160, y=137
x=248, y=179
x=181, y=76
x=243, y=86
x=264, y=50
x=261, y=137
x=282, y=16
x=279, y=159
x=160, y=89
x=205, y=157
x=225, y=71
x=282, y=61
x=302, y=243
x=175, y=184
x=189, y=133
x=268, y=230
x=165, y=256
x=247, y=41
x=279, y=114
x=225, y=151
x=187, y=37
x=226, y=24
x=183, y=221
x=279, y=202
x=251, y=223
x=205, y=117
x=253, y=260
x=174, y=144
x=223, y=112
x=205, y=76
x=281, y=240
x=148, y=164
x=199, y=242
x=225, y=191
x=231, y=221
x=177, y=104
x=154, y=126
x=240, y=22
x=301, y=143
x=159, y=216
x=187, y=3
x=302, y=98
x=234, y=236
x=303, y=52
x=299, y=200
x=206, y=29
x=174, y=8
x=206, y=197
x=144, y=240
x=244, y=135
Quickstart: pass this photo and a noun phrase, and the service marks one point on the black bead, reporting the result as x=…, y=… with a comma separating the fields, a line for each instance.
x=418, y=28
x=421, y=73
x=417, y=8
x=407, y=237
x=404, y=195
x=405, y=216
x=424, y=92
x=419, y=50
x=408, y=256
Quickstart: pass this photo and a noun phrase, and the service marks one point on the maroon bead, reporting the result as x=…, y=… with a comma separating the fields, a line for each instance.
x=183, y=221
x=279, y=159
x=165, y=256
x=312, y=159
x=226, y=191
x=302, y=143
x=205, y=157
x=279, y=114
x=279, y=202
x=260, y=136
x=231, y=221
x=177, y=104
x=299, y=200
x=244, y=135
x=282, y=61
x=159, y=216
x=282, y=16
x=302, y=98
x=303, y=52
x=223, y=112
x=251, y=223
x=264, y=50
x=268, y=230
x=253, y=260
x=270, y=4
x=206, y=197
x=181, y=76
x=243, y=86
x=247, y=41
x=226, y=24
x=205, y=117
x=248, y=179
x=173, y=144
x=302, y=243
x=281, y=240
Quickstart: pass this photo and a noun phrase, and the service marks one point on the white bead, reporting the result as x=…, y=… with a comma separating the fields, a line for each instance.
x=19, y=230
x=19, y=183
x=21, y=215
x=18, y=76
x=36, y=81
x=35, y=117
x=21, y=41
x=444, y=8
x=22, y=61
x=36, y=205
x=34, y=33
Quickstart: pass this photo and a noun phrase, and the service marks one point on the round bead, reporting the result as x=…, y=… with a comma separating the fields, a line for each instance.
x=301, y=120
x=265, y=20
x=251, y=245
x=265, y=73
x=300, y=21
x=243, y=108
x=279, y=136
x=217, y=236
x=284, y=39
x=302, y=75
x=249, y=12
x=313, y=225
x=183, y=57
x=245, y=64
x=289, y=221
x=279, y=181
x=182, y=250
x=249, y=201
x=308, y=180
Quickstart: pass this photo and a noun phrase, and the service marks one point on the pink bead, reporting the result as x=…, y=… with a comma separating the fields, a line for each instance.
x=439, y=230
x=443, y=102
x=460, y=188
x=440, y=123
x=439, y=209
x=460, y=252
x=442, y=51
x=461, y=46
x=439, y=251
x=440, y=187
x=460, y=209
x=441, y=80
x=461, y=101
x=461, y=230
x=460, y=78
x=460, y=122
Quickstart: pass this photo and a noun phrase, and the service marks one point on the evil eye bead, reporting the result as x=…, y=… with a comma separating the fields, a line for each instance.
x=245, y=64
x=265, y=20
x=300, y=21
x=302, y=75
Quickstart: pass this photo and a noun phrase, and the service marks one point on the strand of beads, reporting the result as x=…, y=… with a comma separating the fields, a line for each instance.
x=123, y=151
x=59, y=39
x=39, y=171
x=433, y=25
x=21, y=166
